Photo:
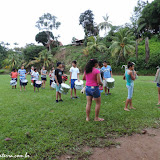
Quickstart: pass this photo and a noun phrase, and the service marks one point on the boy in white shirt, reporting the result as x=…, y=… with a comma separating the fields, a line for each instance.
x=35, y=76
x=74, y=75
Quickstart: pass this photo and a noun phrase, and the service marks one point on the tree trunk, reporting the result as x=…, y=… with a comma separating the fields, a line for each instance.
x=137, y=49
x=147, y=50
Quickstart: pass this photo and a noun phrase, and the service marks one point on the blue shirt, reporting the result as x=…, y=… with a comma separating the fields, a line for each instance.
x=107, y=71
x=128, y=78
x=22, y=73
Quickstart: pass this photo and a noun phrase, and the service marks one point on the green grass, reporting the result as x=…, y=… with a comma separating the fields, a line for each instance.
x=57, y=129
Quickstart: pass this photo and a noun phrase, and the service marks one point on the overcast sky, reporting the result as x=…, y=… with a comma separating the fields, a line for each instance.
x=18, y=17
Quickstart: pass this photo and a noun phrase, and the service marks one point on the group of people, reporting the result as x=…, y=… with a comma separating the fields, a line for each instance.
x=95, y=74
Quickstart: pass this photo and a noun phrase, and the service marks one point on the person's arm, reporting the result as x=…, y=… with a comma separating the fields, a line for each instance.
x=99, y=79
x=111, y=73
x=11, y=74
x=41, y=72
x=158, y=70
x=70, y=77
x=78, y=76
x=133, y=76
x=84, y=76
x=56, y=80
x=124, y=77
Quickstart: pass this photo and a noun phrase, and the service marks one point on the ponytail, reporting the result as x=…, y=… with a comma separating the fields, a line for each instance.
x=90, y=65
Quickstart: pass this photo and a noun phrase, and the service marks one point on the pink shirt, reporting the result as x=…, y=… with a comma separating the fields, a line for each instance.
x=91, y=78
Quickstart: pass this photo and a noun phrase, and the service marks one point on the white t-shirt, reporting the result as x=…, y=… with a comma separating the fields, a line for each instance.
x=74, y=72
x=52, y=75
x=35, y=76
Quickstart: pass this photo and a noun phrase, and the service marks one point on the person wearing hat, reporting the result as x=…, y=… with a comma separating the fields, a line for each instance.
x=58, y=80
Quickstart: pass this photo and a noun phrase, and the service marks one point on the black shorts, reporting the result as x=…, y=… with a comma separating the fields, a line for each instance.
x=43, y=79
x=34, y=83
x=14, y=79
x=51, y=82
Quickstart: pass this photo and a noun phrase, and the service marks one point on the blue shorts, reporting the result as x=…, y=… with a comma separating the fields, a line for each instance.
x=58, y=87
x=14, y=79
x=130, y=91
x=158, y=85
x=93, y=91
x=73, y=83
x=43, y=79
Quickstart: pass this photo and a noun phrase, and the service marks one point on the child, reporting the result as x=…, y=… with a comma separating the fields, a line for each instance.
x=35, y=76
x=130, y=76
x=92, y=77
x=74, y=75
x=14, y=75
x=58, y=80
x=43, y=76
x=107, y=74
x=22, y=73
x=100, y=65
x=158, y=84
x=31, y=71
x=52, y=75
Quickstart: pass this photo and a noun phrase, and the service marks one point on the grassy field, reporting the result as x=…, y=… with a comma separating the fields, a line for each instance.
x=44, y=129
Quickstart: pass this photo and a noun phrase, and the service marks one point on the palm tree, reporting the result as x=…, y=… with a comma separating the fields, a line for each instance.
x=45, y=57
x=94, y=43
x=12, y=60
x=106, y=24
x=122, y=44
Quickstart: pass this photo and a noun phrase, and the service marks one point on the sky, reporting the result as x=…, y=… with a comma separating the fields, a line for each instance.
x=18, y=17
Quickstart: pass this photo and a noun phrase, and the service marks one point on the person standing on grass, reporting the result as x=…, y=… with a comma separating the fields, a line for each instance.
x=92, y=77
x=130, y=76
x=107, y=74
x=31, y=71
x=100, y=65
x=14, y=75
x=74, y=75
x=43, y=76
x=35, y=76
x=158, y=84
x=22, y=73
x=52, y=75
x=58, y=80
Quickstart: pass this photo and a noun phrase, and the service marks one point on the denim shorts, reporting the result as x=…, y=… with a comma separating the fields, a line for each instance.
x=73, y=83
x=58, y=87
x=93, y=91
x=158, y=85
x=130, y=91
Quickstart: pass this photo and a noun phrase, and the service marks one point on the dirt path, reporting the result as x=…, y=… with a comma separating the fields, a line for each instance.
x=136, y=147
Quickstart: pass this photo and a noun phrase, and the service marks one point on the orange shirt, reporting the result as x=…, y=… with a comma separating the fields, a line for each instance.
x=14, y=74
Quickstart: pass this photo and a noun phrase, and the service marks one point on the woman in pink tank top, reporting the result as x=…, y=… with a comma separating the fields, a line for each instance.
x=92, y=77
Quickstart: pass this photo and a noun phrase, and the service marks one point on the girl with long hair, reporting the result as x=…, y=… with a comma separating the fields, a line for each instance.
x=92, y=77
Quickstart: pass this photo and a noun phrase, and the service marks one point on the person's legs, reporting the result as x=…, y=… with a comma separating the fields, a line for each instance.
x=105, y=89
x=75, y=92
x=88, y=107
x=71, y=92
x=57, y=96
x=44, y=83
x=97, y=108
x=24, y=88
x=128, y=101
x=159, y=95
x=108, y=91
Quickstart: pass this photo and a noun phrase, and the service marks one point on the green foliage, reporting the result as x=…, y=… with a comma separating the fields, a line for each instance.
x=3, y=55
x=151, y=16
x=123, y=44
x=42, y=37
x=32, y=51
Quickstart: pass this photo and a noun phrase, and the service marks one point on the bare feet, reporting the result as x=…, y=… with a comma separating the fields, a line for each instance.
x=158, y=104
x=132, y=108
x=126, y=109
x=98, y=119
x=87, y=119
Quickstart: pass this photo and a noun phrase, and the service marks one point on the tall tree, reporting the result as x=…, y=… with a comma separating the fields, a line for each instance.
x=47, y=23
x=106, y=24
x=147, y=50
x=42, y=37
x=86, y=19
